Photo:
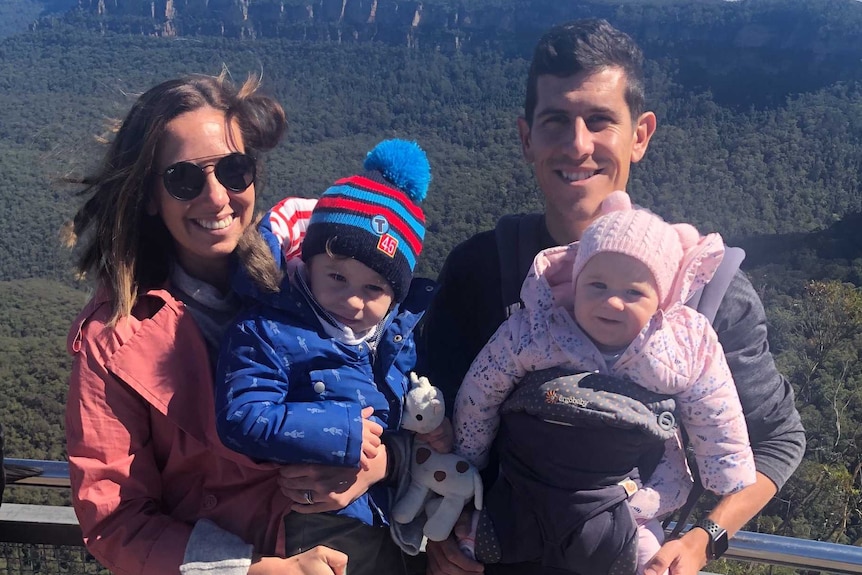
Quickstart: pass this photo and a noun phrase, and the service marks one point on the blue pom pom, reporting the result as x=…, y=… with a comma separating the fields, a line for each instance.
x=402, y=163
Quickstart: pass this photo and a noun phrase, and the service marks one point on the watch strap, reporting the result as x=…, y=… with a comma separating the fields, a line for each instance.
x=717, y=537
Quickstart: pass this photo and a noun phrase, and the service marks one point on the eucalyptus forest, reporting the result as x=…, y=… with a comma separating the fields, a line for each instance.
x=760, y=139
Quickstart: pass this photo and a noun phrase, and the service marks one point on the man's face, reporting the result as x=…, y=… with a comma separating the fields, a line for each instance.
x=581, y=144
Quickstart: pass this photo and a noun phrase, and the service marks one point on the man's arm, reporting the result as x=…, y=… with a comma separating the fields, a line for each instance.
x=687, y=555
x=774, y=426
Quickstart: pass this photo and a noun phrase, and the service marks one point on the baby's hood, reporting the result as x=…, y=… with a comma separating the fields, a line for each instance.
x=549, y=281
x=701, y=258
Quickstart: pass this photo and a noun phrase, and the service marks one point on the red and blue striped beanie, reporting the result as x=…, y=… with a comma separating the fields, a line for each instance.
x=374, y=217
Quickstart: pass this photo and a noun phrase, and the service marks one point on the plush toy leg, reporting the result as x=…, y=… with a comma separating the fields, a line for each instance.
x=439, y=525
x=409, y=506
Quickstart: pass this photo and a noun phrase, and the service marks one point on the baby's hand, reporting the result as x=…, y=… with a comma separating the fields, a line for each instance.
x=371, y=432
x=440, y=439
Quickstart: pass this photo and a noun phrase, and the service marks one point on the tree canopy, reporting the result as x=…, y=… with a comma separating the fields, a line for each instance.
x=772, y=163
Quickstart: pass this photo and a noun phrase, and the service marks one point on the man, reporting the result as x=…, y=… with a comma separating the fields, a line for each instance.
x=584, y=124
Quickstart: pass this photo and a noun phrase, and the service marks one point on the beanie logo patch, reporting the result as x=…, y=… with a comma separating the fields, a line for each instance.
x=388, y=245
x=379, y=224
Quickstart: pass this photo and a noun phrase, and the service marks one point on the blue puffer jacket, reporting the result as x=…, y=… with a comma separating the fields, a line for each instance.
x=289, y=393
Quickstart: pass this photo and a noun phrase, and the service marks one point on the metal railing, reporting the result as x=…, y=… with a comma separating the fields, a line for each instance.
x=793, y=552
x=45, y=473
x=45, y=525
x=38, y=524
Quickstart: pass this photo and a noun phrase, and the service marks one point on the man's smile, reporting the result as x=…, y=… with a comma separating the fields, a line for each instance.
x=578, y=175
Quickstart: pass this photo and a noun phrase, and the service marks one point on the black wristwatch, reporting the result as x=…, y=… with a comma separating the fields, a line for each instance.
x=717, y=538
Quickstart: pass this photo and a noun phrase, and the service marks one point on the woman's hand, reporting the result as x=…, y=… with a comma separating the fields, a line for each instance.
x=687, y=555
x=440, y=439
x=445, y=558
x=318, y=561
x=316, y=488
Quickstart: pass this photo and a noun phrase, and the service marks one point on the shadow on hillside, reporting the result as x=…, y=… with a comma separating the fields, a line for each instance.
x=833, y=253
x=770, y=76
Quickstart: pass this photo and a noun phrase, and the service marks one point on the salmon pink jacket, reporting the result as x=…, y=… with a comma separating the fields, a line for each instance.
x=145, y=461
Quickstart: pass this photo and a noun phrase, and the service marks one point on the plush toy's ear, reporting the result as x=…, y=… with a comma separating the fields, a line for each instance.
x=417, y=382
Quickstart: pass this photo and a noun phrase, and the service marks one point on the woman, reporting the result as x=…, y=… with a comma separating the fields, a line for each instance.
x=153, y=487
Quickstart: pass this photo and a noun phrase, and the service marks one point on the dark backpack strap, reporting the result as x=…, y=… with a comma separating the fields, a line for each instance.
x=706, y=300
x=684, y=511
x=518, y=241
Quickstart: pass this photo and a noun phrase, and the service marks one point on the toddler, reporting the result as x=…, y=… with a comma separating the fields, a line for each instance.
x=316, y=369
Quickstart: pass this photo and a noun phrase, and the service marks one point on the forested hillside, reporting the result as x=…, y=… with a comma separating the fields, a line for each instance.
x=779, y=170
x=760, y=138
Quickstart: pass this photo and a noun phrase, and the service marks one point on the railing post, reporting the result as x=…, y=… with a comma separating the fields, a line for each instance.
x=39, y=525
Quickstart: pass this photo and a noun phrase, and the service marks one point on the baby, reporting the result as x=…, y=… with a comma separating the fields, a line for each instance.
x=612, y=304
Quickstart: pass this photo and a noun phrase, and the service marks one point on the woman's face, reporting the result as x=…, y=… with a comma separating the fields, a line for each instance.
x=205, y=229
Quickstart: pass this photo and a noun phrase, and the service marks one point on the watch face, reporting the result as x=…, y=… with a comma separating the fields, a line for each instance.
x=717, y=538
x=719, y=544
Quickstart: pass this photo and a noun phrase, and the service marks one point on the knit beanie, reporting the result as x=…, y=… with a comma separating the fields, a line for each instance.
x=374, y=217
x=638, y=233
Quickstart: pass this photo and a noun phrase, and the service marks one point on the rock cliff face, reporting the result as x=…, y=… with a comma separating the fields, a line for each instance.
x=440, y=25
x=504, y=25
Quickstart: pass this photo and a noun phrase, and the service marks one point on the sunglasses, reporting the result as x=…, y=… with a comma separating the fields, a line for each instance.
x=185, y=180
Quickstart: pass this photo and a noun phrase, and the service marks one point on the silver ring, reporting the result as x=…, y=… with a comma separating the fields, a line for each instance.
x=309, y=497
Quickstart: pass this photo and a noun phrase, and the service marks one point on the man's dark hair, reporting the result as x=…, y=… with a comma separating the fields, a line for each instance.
x=589, y=45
